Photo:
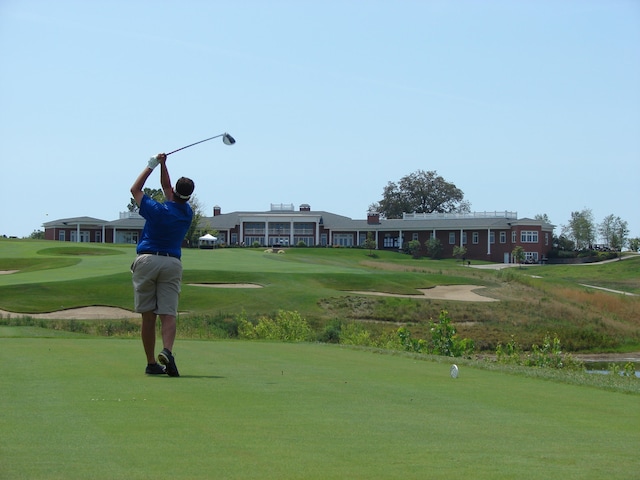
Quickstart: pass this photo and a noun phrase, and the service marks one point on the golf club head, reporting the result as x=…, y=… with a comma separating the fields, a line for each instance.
x=226, y=138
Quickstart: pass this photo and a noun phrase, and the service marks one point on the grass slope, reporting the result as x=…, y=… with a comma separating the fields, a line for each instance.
x=534, y=301
x=81, y=408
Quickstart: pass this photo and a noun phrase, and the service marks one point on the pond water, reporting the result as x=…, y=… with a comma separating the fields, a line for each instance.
x=604, y=368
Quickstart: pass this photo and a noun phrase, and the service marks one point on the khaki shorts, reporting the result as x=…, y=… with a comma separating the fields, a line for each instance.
x=156, y=284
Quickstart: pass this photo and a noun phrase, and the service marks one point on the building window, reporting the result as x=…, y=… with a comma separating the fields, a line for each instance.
x=61, y=235
x=249, y=240
x=415, y=236
x=546, y=238
x=390, y=242
x=513, y=237
x=476, y=238
x=303, y=228
x=529, y=236
x=254, y=228
x=98, y=237
x=279, y=241
x=452, y=238
x=464, y=238
x=308, y=241
x=279, y=228
x=343, y=239
x=503, y=237
x=84, y=236
x=234, y=239
x=323, y=239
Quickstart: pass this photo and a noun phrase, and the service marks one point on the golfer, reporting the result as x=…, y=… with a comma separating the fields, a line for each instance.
x=157, y=269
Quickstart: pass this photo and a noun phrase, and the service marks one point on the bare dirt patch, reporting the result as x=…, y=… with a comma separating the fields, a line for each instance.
x=226, y=285
x=462, y=293
x=84, y=313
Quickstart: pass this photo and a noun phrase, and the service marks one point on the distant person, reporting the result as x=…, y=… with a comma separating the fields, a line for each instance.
x=157, y=269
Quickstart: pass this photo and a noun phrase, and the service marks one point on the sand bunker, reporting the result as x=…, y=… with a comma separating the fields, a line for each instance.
x=7, y=272
x=462, y=293
x=84, y=313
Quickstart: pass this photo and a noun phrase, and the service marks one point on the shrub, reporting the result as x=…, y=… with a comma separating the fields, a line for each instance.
x=331, y=332
x=355, y=334
x=434, y=248
x=547, y=355
x=414, y=248
x=443, y=339
x=286, y=326
x=411, y=344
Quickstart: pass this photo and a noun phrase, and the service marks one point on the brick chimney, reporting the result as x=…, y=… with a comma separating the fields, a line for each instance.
x=216, y=211
x=373, y=218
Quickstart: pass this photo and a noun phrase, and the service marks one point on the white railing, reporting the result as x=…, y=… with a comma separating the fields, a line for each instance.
x=431, y=216
x=282, y=207
x=124, y=215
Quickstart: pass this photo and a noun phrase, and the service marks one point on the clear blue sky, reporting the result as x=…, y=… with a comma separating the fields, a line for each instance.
x=527, y=106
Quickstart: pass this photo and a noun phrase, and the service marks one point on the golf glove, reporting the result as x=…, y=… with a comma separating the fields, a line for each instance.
x=153, y=162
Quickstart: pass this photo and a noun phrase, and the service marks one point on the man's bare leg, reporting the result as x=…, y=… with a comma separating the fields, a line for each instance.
x=148, y=334
x=168, y=331
x=165, y=357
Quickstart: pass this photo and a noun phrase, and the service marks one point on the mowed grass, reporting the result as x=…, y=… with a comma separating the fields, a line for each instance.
x=534, y=301
x=82, y=408
x=99, y=275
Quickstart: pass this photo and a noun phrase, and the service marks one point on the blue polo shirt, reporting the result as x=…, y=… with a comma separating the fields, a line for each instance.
x=165, y=227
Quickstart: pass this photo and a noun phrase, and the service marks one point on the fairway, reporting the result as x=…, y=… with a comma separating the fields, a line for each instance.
x=82, y=408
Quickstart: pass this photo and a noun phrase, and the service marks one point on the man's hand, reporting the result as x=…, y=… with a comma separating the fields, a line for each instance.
x=156, y=159
x=153, y=162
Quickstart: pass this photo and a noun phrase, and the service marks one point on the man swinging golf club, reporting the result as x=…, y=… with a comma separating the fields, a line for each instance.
x=157, y=269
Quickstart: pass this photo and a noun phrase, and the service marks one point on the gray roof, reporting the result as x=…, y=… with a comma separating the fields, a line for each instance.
x=342, y=223
x=73, y=221
x=128, y=223
x=231, y=220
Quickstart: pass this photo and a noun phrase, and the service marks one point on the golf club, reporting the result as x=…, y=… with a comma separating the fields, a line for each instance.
x=226, y=138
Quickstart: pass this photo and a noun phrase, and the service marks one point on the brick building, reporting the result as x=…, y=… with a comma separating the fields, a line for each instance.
x=489, y=236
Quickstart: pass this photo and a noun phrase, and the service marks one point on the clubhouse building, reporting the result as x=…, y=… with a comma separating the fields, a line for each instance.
x=489, y=236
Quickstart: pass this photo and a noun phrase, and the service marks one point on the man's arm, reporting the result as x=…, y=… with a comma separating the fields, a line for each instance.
x=165, y=180
x=138, y=185
x=136, y=188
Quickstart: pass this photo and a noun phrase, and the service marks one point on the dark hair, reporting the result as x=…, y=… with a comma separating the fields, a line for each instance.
x=184, y=188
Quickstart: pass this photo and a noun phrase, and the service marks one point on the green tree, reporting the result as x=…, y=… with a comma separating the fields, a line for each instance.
x=434, y=248
x=194, y=231
x=414, y=248
x=581, y=229
x=543, y=217
x=564, y=243
x=459, y=252
x=614, y=232
x=156, y=193
x=634, y=244
x=420, y=192
x=370, y=243
x=37, y=235
x=518, y=254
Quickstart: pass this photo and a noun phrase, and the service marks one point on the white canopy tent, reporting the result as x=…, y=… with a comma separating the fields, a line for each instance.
x=207, y=241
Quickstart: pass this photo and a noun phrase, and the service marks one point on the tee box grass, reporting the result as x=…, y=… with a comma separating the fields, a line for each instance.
x=82, y=408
